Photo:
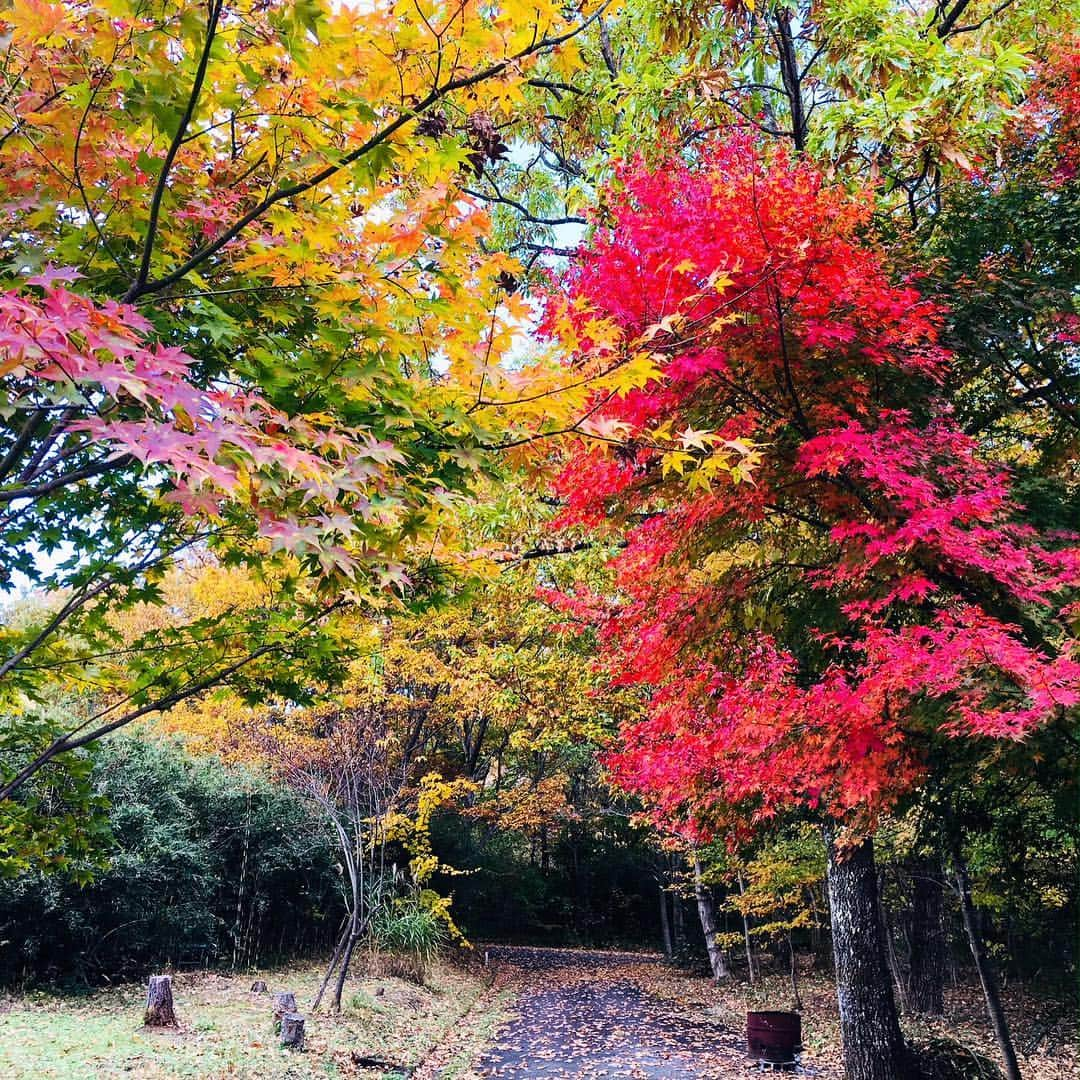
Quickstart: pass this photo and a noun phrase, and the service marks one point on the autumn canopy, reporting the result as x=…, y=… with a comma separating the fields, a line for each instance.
x=528, y=471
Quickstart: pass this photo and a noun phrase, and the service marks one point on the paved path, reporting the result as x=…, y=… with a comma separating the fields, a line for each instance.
x=590, y=1015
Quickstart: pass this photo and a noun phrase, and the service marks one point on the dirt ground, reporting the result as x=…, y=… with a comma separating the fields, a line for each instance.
x=602, y=1014
x=545, y=1013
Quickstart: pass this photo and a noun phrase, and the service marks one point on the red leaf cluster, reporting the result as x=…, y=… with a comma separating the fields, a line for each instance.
x=804, y=637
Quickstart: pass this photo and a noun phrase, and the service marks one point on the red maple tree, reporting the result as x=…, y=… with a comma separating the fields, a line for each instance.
x=804, y=636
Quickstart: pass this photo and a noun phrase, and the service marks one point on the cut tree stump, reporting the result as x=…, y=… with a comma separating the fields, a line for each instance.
x=159, y=1003
x=284, y=1002
x=292, y=1030
x=258, y=987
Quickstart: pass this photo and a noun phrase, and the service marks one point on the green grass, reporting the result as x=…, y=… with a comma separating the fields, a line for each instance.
x=226, y=1031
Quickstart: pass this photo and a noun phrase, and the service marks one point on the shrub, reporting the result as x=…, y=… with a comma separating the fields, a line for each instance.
x=410, y=935
x=203, y=864
x=946, y=1059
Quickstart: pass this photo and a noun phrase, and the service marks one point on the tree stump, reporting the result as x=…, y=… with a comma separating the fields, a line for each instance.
x=284, y=1002
x=292, y=1030
x=159, y=1003
x=258, y=987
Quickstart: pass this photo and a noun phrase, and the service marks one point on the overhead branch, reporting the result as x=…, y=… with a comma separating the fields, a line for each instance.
x=523, y=210
x=320, y=176
x=138, y=285
x=79, y=736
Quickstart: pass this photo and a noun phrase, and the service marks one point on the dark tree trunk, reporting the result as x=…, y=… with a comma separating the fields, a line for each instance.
x=926, y=939
x=332, y=966
x=796, y=997
x=665, y=922
x=984, y=967
x=707, y=914
x=751, y=966
x=159, y=1003
x=678, y=927
x=343, y=971
x=791, y=78
x=899, y=980
x=873, y=1046
x=292, y=1030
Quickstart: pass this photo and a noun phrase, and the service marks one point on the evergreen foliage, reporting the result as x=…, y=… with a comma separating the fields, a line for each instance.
x=207, y=864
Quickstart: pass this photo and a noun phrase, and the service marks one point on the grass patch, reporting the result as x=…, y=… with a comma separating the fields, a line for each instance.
x=226, y=1031
x=476, y=1035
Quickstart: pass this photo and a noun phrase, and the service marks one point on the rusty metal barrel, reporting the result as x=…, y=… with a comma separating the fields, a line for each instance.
x=774, y=1037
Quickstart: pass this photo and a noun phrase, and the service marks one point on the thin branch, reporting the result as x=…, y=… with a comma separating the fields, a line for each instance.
x=30, y=428
x=505, y=200
x=35, y=491
x=301, y=186
x=73, y=740
x=174, y=148
x=556, y=88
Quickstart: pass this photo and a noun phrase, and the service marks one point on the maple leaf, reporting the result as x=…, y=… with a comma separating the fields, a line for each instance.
x=692, y=439
x=848, y=493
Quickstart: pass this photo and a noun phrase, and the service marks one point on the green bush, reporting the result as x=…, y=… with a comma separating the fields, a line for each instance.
x=410, y=933
x=204, y=864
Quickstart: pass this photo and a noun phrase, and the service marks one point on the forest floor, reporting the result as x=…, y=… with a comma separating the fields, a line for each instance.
x=583, y=1014
x=543, y=1013
x=601, y=1014
x=226, y=1031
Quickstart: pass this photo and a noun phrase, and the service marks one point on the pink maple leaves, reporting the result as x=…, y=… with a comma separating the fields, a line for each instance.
x=801, y=639
x=93, y=363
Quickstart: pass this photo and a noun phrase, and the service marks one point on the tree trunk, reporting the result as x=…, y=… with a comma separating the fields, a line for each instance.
x=292, y=1030
x=665, y=922
x=899, y=981
x=284, y=1002
x=751, y=970
x=678, y=929
x=355, y=863
x=926, y=939
x=707, y=914
x=873, y=1046
x=159, y=1003
x=983, y=966
x=332, y=966
x=796, y=997
x=343, y=971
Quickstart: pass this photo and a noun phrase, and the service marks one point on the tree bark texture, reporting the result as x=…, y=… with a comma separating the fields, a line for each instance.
x=284, y=1002
x=292, y=1030
x=343, y=971
x=707, y=914
x=665, y=922
x=678, y=929
x=159, y=1003
x=751, y=966
x=873, y=1045
x=332, y=967
x=926, y=939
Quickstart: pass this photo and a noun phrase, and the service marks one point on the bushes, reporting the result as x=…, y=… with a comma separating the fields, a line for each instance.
x=207, y=864
x=410, y=933
x=946, y=1059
